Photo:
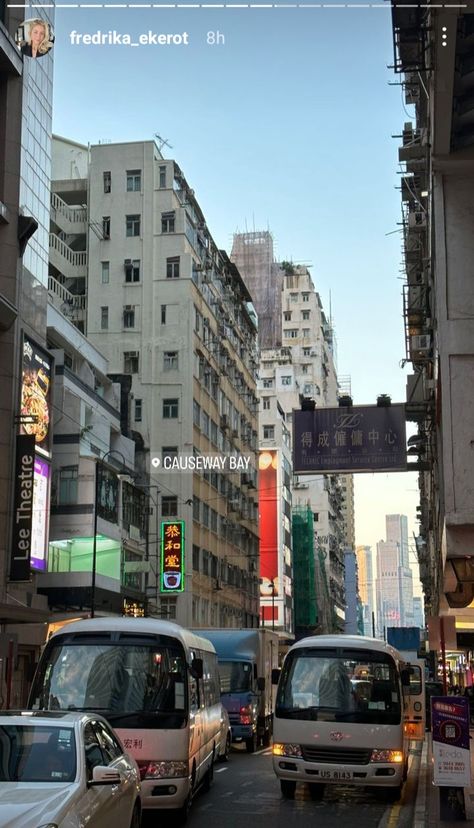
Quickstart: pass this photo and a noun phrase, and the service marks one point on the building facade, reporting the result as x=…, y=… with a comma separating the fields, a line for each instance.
x=366, y=587
x=174, y=320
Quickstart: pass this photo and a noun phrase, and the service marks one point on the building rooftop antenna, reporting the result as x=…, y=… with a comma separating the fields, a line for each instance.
x=162, y=142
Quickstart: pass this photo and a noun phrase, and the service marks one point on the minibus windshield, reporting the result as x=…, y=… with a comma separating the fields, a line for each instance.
x=126, y=679
x=339, y=685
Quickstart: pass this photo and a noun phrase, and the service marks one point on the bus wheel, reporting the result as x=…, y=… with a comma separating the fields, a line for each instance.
x=136, y=817
x=251, y=744
x=209, y=776
x=316, y=791
x=288, y=788
x=391, y=794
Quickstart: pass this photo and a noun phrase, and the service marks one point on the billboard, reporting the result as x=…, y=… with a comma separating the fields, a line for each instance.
x=35, y=400
x=39, y=527
x=22, y=508
x=172, y=556
x=269, y=510
x=362, y=438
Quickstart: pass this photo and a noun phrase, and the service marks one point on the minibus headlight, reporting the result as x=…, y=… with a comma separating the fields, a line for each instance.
x=287, y=750
x=164, y=770
x=395, y=756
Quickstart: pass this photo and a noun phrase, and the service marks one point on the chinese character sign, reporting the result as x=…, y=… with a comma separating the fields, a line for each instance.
x=172, y=556
x=350, y=439
x=450, y=726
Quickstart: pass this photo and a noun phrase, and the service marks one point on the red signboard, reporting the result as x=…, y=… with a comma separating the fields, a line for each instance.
x=268, y=497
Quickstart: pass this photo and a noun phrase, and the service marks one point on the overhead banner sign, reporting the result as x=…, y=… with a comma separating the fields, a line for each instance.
x=172, y=556
x=23, y=508
x=360, y=438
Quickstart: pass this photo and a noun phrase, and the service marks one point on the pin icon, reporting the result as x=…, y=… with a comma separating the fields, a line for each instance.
x=155, y=462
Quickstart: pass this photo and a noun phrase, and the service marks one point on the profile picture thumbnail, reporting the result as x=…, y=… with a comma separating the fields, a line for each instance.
x=35, y=37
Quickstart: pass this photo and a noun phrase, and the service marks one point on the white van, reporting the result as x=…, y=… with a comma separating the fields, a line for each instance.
x=343, y=715
x=158, y=686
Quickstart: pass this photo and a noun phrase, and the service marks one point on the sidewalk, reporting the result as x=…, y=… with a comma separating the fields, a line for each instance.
x=427, y=805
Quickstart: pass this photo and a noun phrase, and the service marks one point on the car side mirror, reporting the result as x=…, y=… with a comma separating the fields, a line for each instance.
x=276, y=675
x=405, y=676
x=103, y=775
x=261, y=683
x=197, y=668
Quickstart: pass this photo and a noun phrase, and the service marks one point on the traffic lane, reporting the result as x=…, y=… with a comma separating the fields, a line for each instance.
x=246, y=790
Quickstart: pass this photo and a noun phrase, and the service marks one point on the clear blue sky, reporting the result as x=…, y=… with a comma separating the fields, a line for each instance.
x=286, y=126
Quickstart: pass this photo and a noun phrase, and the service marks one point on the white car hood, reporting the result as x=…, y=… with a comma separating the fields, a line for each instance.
x=25, y=805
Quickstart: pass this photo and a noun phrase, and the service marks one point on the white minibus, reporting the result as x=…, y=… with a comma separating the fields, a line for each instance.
x=158, y=686
x=344, y=715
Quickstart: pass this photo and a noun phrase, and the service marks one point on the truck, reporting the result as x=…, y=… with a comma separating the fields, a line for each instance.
x=246, y=659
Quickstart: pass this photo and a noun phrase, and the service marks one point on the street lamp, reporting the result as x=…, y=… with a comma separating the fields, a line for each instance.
x=94, y=543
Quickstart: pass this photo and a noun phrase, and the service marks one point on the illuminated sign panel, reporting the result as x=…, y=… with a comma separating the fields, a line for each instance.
x=172, y=556
x=39, y=528
x=269, y=510
x=23, y=508
x=35, y=403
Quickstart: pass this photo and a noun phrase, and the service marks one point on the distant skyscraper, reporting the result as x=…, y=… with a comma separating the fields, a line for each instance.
x=394, y=576
x=418, y=614
x=366, y=585
x=396, y=529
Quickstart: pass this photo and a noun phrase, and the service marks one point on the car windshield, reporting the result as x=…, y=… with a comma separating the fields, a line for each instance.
x=37, y=753
x=236, y=676
x=113, y=678
x=340, y=685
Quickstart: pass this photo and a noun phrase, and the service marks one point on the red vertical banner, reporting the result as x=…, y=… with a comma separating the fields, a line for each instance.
x=268, y=508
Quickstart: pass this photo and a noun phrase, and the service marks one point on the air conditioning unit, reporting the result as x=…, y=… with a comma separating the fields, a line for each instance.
x=417, y=219
x=420, y=343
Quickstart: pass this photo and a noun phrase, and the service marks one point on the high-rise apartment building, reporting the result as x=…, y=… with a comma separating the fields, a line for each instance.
x=304, y=366
x=173, y=317
x=393, y=566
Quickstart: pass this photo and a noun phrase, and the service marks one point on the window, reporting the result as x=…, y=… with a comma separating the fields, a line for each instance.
x=305, y=297
x=305, y=314
x=107, y=181
x=163, y=314
x=268, y=432
x=130, y=362
x=196, y=509
x=196, y=414
x=170, y=409
x=169, y=506
x=169, y=451
x=291, y=332
x=205, y=514
x=266, y=403
x=67, y=490
x=162, y=178
x=286, y=380
x=268, y=383
x=132, y=225
x=287, y=316
x=213, y=520
x=197, y=320
x=294, y=297
x=129, y=316
x=172, y=267
x=106, y=227
x=138, y=411
x=168, y=607
x=132, y=270
x=305, y=369
x=196, y=557
x=104, y=318
x=205, y=423
x=306, y=333
x=167, y=222
x=306, y=351
x=170, y=360
x=134, y=180
x=105, y=275
x=214, y=432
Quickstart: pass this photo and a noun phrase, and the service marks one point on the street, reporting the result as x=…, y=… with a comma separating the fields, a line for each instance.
x=246, y=792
